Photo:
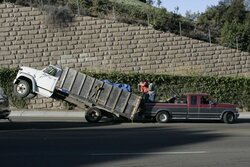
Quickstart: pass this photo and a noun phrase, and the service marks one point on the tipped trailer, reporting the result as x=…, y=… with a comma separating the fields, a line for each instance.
x=100, y=98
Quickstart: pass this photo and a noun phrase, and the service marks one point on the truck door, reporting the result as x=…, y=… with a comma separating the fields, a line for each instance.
x=47, y=78
x=208, y=108
x=193, y=108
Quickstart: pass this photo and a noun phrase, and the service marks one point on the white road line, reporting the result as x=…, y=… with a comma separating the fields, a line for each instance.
x=149, y=153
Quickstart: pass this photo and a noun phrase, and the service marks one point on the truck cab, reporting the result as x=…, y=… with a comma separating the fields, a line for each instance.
x=30, y=82
x=191, y=106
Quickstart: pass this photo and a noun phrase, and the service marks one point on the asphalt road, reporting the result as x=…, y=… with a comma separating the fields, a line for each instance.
x=40, y=142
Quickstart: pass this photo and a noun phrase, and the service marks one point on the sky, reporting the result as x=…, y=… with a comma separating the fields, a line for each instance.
x=184, y=5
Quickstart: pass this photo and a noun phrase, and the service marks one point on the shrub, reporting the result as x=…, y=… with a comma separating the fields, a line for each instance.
x=225, y=89
x=7, y=77
x=61, y=15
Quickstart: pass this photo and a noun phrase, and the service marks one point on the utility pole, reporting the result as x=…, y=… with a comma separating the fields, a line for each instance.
x=209, y=36
x=237, y=43
x=78, y=8
x=113, y=10
x=41, y=3
x=180, y=27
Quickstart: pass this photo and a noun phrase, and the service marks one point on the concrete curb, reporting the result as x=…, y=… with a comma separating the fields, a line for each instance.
x=72, y=114
x=47, y=113
x=244, y=115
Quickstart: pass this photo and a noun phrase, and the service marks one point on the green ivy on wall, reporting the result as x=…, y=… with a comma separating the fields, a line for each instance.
x=234, y=90
x=225, y=89
x=7, y=77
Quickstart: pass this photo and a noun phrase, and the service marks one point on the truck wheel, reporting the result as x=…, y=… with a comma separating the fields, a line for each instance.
x=162, y=117
x=22, y=89
x=93, y=115
x=228, y=118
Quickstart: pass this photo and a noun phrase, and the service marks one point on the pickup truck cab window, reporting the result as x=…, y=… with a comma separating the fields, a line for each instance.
x=193, y=100
x=205, y=99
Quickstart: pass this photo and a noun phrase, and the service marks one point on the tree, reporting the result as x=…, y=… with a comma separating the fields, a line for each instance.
x=244, y=36
x=150, y=2
x=236, y=11
x=192, y=16
x=176, y=10
x=247, y=4
x=158, y=3
x=226, y=2
x=222, y=18
x=229, y=32
x=236, y=35
x=235, y=30
x=160, y=19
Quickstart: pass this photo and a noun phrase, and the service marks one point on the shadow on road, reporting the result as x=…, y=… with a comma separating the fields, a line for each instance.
x=243, y=120
x=49, y=144
x=63, y=124
x=50, y=125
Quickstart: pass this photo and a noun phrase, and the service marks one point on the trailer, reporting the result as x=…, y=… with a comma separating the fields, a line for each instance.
x=100, y=98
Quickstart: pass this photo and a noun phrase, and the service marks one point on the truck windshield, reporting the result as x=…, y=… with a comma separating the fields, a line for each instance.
x=51, y=71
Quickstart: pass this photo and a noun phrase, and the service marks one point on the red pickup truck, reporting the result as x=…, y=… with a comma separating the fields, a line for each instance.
x=192, y=106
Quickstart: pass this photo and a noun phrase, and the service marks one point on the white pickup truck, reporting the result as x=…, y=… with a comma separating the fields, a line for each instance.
x=30, y=82
x=101, y=99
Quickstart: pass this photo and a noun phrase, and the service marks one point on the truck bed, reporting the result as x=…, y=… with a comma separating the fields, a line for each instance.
x=83, y=90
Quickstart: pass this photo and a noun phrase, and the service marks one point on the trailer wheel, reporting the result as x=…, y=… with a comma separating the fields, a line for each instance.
x=162, y=117
x=22, y=89
x=93, y=115
x=228, y=118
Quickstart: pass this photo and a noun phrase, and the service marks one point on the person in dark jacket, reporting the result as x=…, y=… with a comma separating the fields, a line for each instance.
x=151, y=92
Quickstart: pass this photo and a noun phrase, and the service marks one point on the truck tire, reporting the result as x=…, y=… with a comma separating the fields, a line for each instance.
x=22, y=89
x=228, y=118
x=162, y=117
x=93, y=115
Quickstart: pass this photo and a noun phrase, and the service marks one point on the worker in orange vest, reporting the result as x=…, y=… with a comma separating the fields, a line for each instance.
x=143, y=88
